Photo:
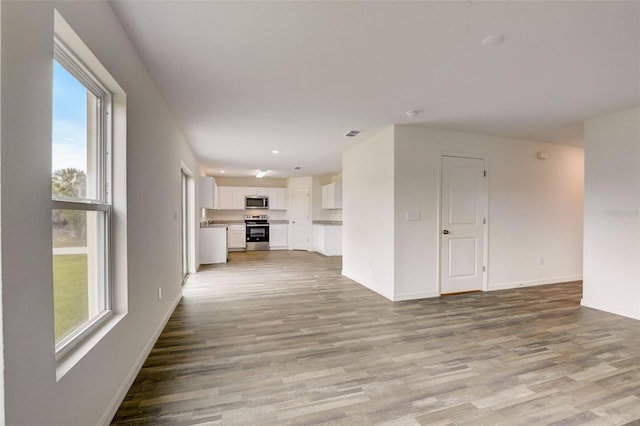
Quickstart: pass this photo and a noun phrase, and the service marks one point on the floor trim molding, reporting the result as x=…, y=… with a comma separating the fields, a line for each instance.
x=518, y=284
x=415, y=296
x=115, y=403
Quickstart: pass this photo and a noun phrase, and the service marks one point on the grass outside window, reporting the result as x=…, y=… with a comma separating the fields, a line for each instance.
x=71, y=299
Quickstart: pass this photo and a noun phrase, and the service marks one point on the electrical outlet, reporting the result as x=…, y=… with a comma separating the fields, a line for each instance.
x=159, y=294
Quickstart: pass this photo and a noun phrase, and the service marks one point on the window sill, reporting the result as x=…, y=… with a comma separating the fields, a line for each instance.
x=71, y=354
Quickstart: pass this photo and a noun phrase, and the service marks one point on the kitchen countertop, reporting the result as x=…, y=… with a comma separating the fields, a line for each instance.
x=328, y=222
x=226, y=222
x=213, y=225
x=238, y=222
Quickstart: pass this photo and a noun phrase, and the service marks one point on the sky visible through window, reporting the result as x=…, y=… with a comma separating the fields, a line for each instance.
x=69, y=131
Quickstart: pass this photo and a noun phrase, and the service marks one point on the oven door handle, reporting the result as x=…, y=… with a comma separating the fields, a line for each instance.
x=255, y=226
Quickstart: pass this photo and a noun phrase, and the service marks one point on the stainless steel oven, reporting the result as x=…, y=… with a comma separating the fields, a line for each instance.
x=257, y=232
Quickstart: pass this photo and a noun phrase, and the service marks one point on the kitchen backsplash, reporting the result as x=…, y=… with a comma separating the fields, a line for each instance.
x=240, y=214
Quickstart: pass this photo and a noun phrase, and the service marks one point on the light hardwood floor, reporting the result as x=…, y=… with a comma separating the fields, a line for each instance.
x=282, y=338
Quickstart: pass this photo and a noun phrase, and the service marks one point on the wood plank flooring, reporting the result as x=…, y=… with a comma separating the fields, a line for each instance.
x=281, y=338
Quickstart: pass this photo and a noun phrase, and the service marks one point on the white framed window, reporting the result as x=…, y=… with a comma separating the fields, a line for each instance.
x=88, y=198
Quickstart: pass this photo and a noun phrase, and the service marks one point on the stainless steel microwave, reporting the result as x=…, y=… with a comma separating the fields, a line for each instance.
x=256, y=202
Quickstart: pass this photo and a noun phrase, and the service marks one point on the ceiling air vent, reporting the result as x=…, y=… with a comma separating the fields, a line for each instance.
x=352, y=133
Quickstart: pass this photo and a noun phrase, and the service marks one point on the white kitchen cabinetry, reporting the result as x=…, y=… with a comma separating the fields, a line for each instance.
x=225, y=198
x=237, y=237
x=213, y=245
x=278, y=236
x=318, y=238
x=206, y=192
x=232, y=197
x=277, y=198
x=327, y=239
x=257, y=191
x=239, y=192
x=332, y=196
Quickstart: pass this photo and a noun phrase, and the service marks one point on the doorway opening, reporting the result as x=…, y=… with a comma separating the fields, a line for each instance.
x=187, y=220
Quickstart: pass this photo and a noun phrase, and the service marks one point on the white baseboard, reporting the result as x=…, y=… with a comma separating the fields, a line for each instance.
x=593, y=304
x=361, y=281
x=518, y=284
x=115, y=403
x=352, y=277
x=414, y=296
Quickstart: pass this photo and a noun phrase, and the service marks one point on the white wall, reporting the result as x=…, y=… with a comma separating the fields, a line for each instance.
x=90, y=391
x=612, y=213
x=2, y=420
x=300, y=182
x=535, y=209
x=368, y=213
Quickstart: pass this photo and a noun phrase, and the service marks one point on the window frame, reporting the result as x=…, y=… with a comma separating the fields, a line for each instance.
x=102, y=202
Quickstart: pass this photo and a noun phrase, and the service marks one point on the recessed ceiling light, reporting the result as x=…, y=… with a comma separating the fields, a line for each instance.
x=221, y=171
x=261, y=173
x=275, y=151
x=352, y=133
x=493, y=40
x=412, y=113
x=297, y=168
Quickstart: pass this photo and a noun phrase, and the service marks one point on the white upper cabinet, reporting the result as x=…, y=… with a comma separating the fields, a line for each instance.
x=232, y=197
x=239, y=192
x=277, y=198
x=225, y=198
x=206, y=192
x=257, y=191
x=332, y=196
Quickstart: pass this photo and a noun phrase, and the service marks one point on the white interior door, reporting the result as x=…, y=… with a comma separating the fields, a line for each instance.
x=463, y=217
x=300, y=226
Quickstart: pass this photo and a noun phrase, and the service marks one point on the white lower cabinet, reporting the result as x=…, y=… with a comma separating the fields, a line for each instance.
x=213, y=245
x=318, y=238
x=237, y=237
x=278, y=236
x=327, y=239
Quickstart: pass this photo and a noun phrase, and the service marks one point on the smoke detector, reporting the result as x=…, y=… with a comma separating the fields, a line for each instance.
x=352, y=133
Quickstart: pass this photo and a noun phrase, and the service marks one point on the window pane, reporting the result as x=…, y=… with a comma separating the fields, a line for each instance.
x=78, y=268
x=74, y=132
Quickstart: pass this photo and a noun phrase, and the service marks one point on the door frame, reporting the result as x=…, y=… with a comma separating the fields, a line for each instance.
x=191, y=220
x=473, y=156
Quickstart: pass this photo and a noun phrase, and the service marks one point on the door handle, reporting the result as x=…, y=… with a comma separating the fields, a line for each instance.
x=446, y=231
